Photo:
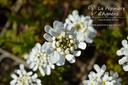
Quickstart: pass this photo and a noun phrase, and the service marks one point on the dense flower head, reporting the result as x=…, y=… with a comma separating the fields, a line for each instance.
x=123, y=52
x=24, y=78
x=82, y=24
x=38, y=58
x=64, y=42
x=101, y=77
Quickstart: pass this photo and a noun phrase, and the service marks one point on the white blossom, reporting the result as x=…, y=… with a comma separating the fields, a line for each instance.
x=65, y=43
x=24, y=78
x=123, y=52
x=82, y=24
x=101, y=77
x=38, y=58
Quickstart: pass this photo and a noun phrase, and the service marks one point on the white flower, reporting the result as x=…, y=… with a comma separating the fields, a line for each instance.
x=83, y=24
x=101, y=77
x=123, y=51
x=24, y=78
x=39, y=58
x=64, y=43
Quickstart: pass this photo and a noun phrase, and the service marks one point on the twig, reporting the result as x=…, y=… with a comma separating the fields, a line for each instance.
x=89, y=67
x=15, y=58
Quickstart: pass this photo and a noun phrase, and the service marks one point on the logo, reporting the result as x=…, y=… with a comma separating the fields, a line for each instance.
x=105, y=11
x=92, y=8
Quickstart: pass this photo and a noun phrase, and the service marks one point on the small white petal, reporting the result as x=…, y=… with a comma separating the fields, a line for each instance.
x=30, y=73
x=41, y=71
x=71, y=18
x=35, y=68
x=21, y=66
x=47, y=28
x=82, y=45
x=53, y=33
x=124, y=43
x=77, y=53
x=55, y=24
x=125, y=68
x=48, y=70
x=69, y=57
x=97, y=68
x=13, y=82
x=61, y=61
x=47, y=37
x=119, y=53
x=103, y=68
x=31, y=65
x=13, y=76
x=122, y=60
x=79, y=36
x=34, y=76
x=72, y=60
x=105, y=77
x=54, y=57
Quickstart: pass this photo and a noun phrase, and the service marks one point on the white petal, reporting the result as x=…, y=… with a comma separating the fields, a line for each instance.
x=77, y=53
x=88, y=40
x=92, y=32
x=34, y=76
x=41, y=71
x=125, y=68
x=55, y=24
x=75, y=12
x=103, y=68
x=61, y=61
x=124, y=43
x=35, y=68
x=59, y=26
x=72, y=60
x=47, y=28
x=38, y=81
x=30, y=73
x=13, y=76
x=68, y=22
x=48, y=70
x=71, y=17
x=21, y=66
x=105, y=77
x=79, y=36
x=122, y=60
x=54, y=57
x=13, y=82
x=119, y=53
x=69, y=57
x=51, y=31
x=71, y=29
x=96, y=67
x=47, y=37
x=82, y=45
x=31, y=65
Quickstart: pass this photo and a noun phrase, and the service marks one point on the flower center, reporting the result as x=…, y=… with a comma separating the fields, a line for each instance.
x=77, y=27
x=41, y=59
x=63, y=43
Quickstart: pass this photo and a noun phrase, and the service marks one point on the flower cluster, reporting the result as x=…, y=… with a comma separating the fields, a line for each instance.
x=64, y=43
x=124, y=51
x=38, y=58
x=24, y=78
x=101, y=77
x=82, y=24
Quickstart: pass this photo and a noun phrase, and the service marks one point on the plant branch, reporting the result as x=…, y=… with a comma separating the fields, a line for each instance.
x=6, y=54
